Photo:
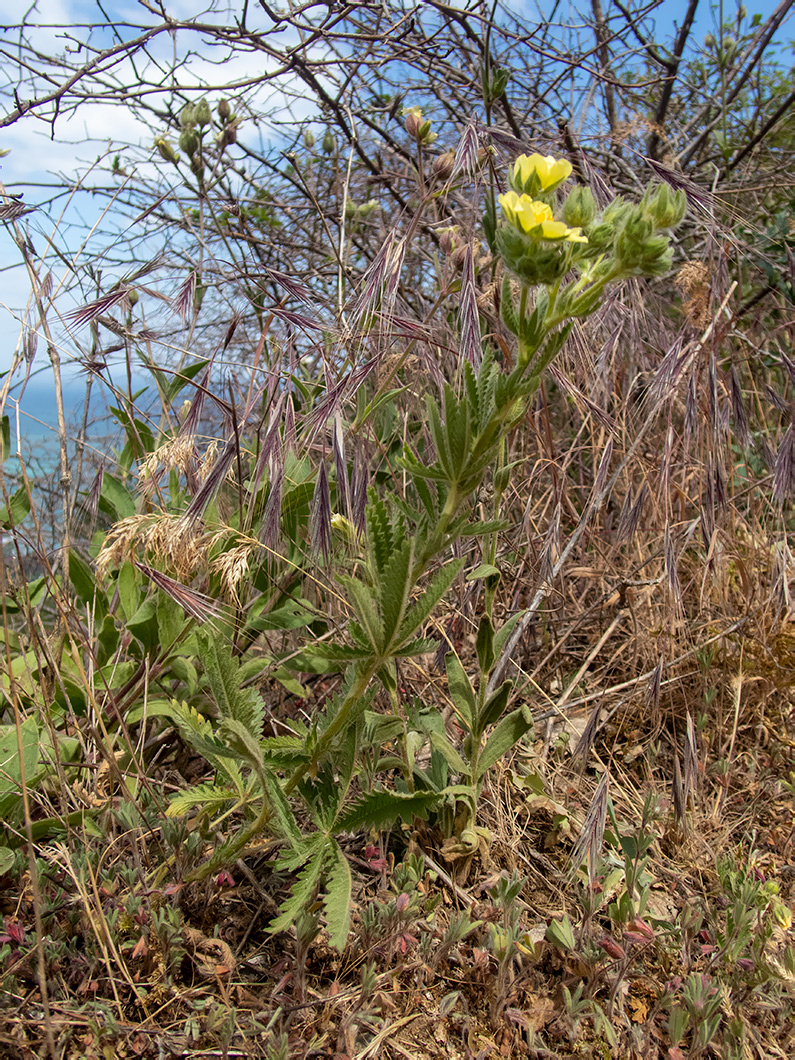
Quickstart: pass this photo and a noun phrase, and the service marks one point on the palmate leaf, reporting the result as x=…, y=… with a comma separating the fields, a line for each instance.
x=421, y=611
x=339, y=698
x=379, y=809
x=458, y=430
x=429, y=495
x=282, y=751
x=487, y=385
x=325, y=658
x=337, y=897
x=421, y=646
x=209, y=798
x=472, y=394
x=439, y=438
x=240, y=739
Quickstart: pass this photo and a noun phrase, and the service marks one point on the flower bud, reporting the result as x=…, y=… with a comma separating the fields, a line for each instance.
x=201, y=113
x=368, y=207
x=414, y=121
x=579, y=208
x=132, y=297
x=166, y=151
x=666, y=208
x=186, y=117
x=783, y=915
x=309, y=139
x=612, y=948
x=227, y=136
x=328, y=143
x=224, y=110
x=189, y=142
x=443, y=166
x=531, y=261
x=459, y=256
x=448, y=238
x=600, y=236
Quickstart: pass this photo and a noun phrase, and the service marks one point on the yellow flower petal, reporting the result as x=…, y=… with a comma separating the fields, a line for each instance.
x=536, y=219
x=548, y=170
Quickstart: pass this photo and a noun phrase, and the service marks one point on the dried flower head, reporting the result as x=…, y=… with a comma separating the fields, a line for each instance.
x=165, y=536
x=232, y=567
x=176, y=454
x=693, y=280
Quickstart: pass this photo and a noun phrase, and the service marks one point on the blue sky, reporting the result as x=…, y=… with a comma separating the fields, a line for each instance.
x=97, y=128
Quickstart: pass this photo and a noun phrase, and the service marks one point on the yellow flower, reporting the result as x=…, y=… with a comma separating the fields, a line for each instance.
x=534, y=173
x=535, y=218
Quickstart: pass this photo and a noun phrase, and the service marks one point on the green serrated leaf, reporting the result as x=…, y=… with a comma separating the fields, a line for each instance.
x=394, y=590
x=325, y=657
x=378, y=532
x=337, y=898
x=240, y=738
x=361, y=599
x=380, y=809
x=421, y=646
x=223, y=673
x=282, y=811
x=303, y=893
x=209, y=798
x=381, y=728
x=421, y=611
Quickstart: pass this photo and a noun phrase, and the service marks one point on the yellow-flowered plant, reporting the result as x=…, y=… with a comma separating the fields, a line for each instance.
x=536, y=219
x=531, y=174
x=563, y=253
